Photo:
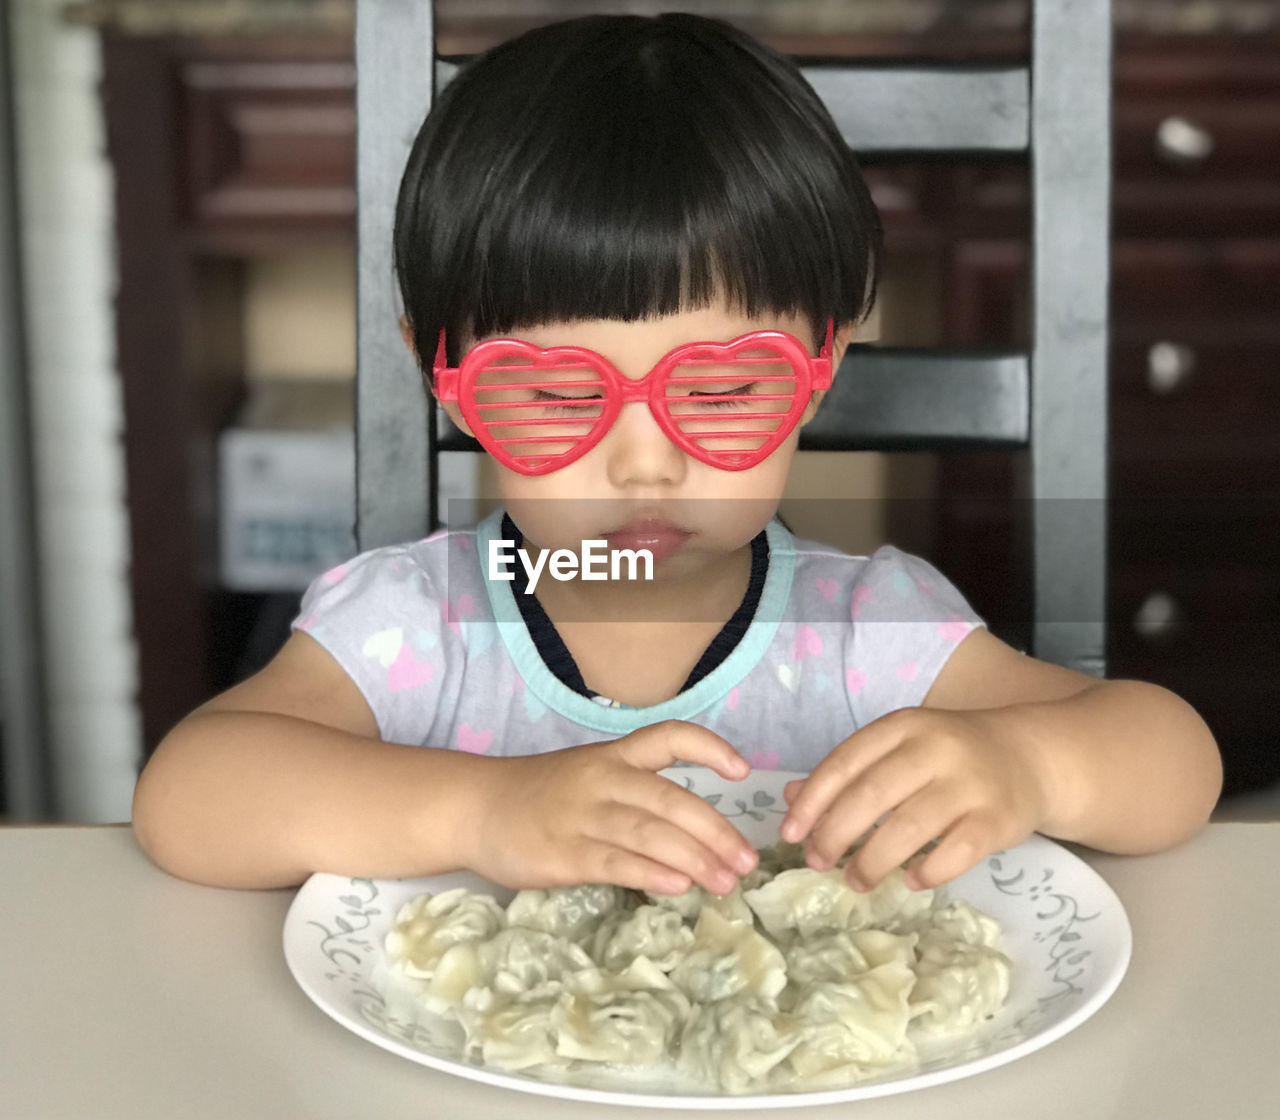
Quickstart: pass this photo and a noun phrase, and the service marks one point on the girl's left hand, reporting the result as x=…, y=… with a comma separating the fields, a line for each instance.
x=959, y=775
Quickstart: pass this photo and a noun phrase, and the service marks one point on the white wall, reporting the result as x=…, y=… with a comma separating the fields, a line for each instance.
x=67, y=237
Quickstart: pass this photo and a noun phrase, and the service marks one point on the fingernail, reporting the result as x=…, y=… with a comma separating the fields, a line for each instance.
x=746, y=860
x=789, y=830
x=816, y=861
x=724, y=881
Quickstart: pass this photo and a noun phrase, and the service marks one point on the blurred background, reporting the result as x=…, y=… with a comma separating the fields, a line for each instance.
x=177, y=352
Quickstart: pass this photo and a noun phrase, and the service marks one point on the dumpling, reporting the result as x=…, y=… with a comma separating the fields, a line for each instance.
x=961, y=922
x=890, y=905
x=697, y=899
x=428, y=925
x=570, y=912
x=511, y=1033
x=827, y=956
x=840, y=956
x=803, y=901
x=735, y=1043
x=728, y=958
x=519, y=959
x=627, y=1018
x=457, y=971
x=853, y=1028
x=879, y=946
x=653, y=932
x=514, y=961
x=958, y=984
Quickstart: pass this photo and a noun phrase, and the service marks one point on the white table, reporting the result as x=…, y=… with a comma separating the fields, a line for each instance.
x=129, y=994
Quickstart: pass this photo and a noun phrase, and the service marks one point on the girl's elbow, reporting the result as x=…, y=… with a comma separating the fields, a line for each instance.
x=156, y=820
x=147, y=820
x=1200, y=760
x=1205, y=770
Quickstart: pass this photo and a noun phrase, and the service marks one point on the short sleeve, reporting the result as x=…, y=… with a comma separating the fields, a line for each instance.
x=380, y=618
x=908, y=618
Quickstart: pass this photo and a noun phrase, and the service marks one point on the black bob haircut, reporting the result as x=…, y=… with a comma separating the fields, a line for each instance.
x=623, y=167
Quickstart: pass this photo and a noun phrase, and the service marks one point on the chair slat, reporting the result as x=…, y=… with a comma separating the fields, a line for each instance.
x=927, y=108
x=907, y=400
x=924, y=107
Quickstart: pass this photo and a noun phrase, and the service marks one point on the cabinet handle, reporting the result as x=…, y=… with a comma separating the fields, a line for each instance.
x=1169, y=367
x=1181, y=143
x=1159, y=616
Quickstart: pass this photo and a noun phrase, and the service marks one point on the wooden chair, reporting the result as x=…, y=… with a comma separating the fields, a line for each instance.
x=1050, y=400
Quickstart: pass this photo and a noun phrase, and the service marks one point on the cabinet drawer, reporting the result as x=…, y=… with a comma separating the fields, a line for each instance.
x=1155, y=533
x=1210, y=637
x=1217, y=159
x=1210, y=620
x=269, y=141
x=1196, y=135
x=1186, y=397
x=1222, y=289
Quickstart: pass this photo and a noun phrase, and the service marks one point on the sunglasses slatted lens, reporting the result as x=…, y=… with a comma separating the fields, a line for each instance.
x=731, y=408
x=538, y=412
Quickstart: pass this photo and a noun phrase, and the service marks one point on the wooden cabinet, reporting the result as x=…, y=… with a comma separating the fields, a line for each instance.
x=1194, y=492
x=224, y=149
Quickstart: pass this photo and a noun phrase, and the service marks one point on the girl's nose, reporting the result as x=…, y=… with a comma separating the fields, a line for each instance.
x=638, y=452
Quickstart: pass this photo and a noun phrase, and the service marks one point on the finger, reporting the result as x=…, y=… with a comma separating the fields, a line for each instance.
x=880, y=788
x=661, y=744
x=792, y=789
x=630, y=869
x=966, y=844
x=918, y=820
x=663, y=842
x=688, y=811
x=835, y=772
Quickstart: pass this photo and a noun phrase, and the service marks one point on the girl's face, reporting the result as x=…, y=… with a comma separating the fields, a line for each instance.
x=636, y=488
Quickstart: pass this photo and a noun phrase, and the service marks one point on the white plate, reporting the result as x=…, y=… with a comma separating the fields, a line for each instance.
x=1064, y=928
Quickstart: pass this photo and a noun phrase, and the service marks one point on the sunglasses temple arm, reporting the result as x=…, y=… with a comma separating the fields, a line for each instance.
x=443, y=379
x=823, y=370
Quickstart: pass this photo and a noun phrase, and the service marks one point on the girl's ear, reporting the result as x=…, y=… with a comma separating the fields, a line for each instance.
x=450, y=407
x=839, y=344
x=406, y=332
x=455, y=414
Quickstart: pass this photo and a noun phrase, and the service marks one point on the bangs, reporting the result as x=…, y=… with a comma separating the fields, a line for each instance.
x=625, y=168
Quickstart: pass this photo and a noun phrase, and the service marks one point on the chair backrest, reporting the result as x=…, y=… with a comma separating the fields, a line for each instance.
x=1050, y=400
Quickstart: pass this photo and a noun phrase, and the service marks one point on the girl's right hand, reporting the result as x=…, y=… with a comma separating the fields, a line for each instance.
x=600, y=813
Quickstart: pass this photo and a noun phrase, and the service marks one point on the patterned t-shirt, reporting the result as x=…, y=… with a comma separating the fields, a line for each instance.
x=444, y=658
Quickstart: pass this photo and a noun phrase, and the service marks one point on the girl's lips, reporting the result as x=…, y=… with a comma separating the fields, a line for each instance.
x=661, y=539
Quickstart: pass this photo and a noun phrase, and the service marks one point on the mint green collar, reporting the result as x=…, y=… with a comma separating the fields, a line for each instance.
x=555, y=694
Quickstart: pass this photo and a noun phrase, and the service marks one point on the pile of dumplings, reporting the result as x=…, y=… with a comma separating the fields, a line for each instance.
x=793, y=981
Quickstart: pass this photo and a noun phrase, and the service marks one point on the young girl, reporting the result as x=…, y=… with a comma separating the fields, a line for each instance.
x=631, y=252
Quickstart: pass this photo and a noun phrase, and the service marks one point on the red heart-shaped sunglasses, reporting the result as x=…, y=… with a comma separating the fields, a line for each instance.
x=728, y=404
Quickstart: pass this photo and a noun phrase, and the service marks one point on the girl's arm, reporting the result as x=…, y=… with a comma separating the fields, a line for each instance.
x=1004, y=745
x=284, y=775
x=1131, y=767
